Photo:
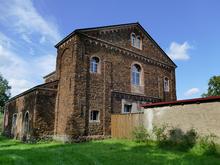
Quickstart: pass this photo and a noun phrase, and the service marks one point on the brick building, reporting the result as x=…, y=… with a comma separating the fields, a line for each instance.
x=99, y=71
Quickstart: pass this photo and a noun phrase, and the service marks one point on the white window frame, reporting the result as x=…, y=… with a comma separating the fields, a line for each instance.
x=136, y=75
x=90, y=115
x=133, y=39
x=127, y=104
x=166, y=84
x=136, y=41
x=94, y=66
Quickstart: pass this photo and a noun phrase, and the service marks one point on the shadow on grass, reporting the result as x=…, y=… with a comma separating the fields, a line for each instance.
x=4, y=142
x=96, y=152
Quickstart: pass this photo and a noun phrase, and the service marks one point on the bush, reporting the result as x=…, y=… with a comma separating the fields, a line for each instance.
x=207, y=145
x=182, y=141
x=175, y=138
x=160, y=133
x=190, y=138
x=140, y=134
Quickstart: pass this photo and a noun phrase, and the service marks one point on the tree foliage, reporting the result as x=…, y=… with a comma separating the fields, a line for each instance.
x=4, y=92
x=213, y=87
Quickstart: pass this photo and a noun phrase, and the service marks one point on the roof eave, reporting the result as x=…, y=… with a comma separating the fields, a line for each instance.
x=155, y=43
x=29, y=90
x=48, y=75
x=92, y=28
x=127, y=24
x=64, y=39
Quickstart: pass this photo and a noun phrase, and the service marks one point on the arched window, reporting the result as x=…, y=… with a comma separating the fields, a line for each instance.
x=26, y=123
x=133, y=39
x=6, y=118
x=138, y=42
x=94, y=65
x=166, y=84
x=136, y=74
x=14, y=120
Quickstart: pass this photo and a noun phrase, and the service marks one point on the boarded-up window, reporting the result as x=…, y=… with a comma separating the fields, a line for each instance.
x=26, y=123
x=6, y=118
x=14, y=120
x=166, y=84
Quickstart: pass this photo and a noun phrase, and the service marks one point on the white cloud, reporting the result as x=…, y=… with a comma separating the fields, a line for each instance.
x=45, y=64
x=26, y=38
x=178, y=51
x=20, y=72
x=24, y=62
x=19, y=85
x=25, y=19
x=191, y=92
x=13, y=68
x=4, y=40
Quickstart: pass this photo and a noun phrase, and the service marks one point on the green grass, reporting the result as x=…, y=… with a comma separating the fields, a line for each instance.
x=110, y=152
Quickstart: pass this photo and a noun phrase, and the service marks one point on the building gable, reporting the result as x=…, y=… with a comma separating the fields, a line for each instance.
x=120, y=35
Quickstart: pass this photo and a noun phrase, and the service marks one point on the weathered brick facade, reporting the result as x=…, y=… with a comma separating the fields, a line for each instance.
x=79, y=91
x=39, y=104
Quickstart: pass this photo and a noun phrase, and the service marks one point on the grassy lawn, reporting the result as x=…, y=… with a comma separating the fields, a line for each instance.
x=96, y=152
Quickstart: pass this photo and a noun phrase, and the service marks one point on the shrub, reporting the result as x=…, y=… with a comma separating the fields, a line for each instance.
x=140, y=134
x=160, y=133
x=190, y=138
x=175, y=138
x=182, y=141
x=207, y=145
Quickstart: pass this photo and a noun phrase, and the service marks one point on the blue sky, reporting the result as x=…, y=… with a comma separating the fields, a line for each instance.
x=188, y=31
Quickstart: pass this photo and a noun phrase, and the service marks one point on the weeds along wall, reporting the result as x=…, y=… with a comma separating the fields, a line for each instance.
x=204, y=117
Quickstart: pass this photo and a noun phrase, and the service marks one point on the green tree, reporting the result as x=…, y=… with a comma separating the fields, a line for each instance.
x=213, y=87
x=4, y=92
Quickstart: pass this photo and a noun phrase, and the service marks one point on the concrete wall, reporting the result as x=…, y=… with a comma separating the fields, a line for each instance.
x=204, y=117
